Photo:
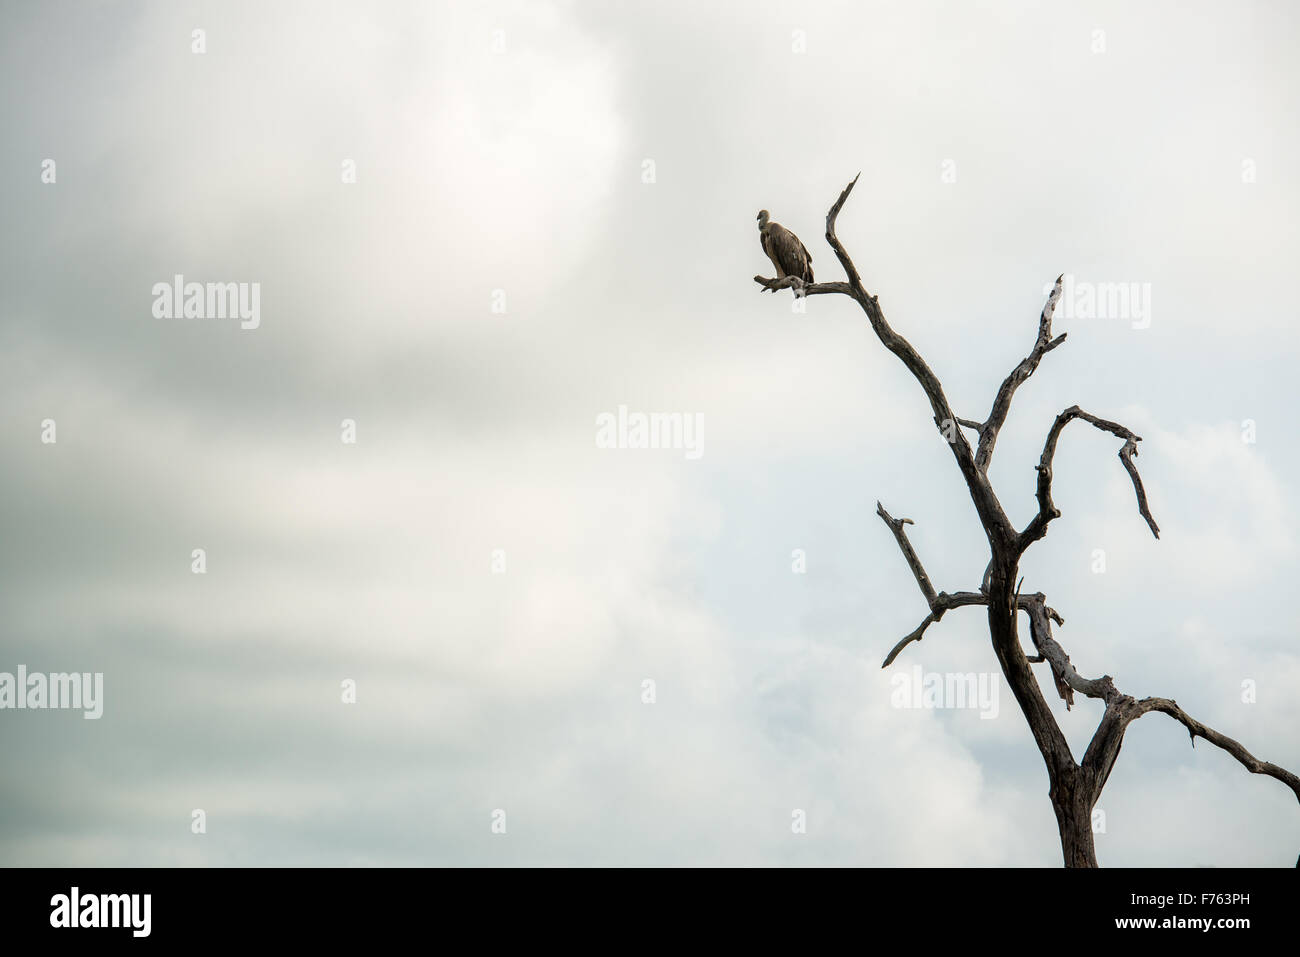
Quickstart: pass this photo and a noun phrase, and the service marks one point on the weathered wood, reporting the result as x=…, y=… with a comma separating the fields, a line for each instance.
x=1002, y=401
x=909, y=553
x=1047, y=511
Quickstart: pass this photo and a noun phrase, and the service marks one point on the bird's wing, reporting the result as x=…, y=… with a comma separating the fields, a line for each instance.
x=790, y=253
x=769, y=247
x=807, y=259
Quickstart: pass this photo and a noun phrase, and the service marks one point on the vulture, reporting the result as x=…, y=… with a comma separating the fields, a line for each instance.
x=788, y=255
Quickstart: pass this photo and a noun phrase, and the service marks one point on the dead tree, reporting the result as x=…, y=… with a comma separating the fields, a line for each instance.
x=1075, y=786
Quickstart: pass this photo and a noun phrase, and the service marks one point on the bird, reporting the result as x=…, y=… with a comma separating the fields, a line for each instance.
x=788, y=254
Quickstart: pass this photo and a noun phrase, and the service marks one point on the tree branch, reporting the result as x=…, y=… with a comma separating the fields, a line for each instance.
x=1047, y=510
x=1197, y=730
x=1067, y=679
x=943, y=602
x=802, y=288
x=1002, y=402
x=850, y=270
x=909, y=553
x=1122, y=710
x=939, y=603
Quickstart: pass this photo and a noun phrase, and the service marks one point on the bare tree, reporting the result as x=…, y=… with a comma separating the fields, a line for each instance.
x=1074, y=786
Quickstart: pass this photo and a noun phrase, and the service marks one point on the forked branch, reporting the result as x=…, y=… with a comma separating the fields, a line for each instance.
x=1122, y=710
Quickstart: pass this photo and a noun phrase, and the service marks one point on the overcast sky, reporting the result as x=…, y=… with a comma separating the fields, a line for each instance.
x=595, y=171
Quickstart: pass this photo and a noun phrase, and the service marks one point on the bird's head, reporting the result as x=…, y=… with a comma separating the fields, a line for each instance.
x=762, y=218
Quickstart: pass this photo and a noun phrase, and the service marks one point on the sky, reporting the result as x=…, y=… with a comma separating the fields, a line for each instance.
x=437, y=623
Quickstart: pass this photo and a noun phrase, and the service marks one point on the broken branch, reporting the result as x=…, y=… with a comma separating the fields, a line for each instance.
x=1047, y=510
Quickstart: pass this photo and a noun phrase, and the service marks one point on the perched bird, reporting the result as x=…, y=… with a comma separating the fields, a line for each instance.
x=788, y=255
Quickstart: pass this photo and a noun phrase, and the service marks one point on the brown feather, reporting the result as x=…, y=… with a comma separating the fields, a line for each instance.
x=788, y=254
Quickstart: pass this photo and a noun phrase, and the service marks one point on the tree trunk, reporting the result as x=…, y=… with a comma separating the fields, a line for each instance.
x=1073, y=819
x=1067, y=784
